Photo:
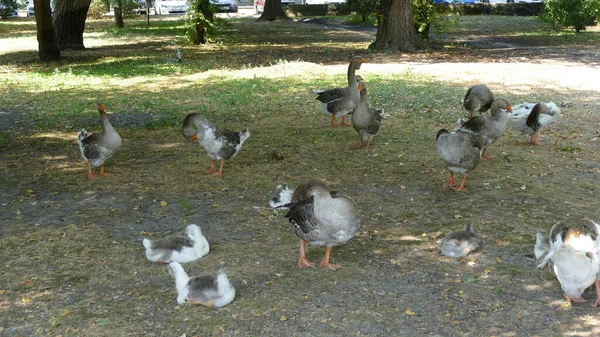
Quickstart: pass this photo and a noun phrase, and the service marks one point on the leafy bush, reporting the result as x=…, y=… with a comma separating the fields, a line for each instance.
x=201, y=22
x=425, y=13
x=364, y=8
x=98, y=8
x=571, y=13
x=7, y=8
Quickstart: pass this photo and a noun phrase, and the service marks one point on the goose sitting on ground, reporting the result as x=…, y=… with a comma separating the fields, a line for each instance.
x=204, y=290
x=478, y=98
x=366, y=120
x=530, y=118
x=319, y=217
x=461, y=151
x=95, y=148
x=491, y=126
x=574, y=245
x=340, y=101
x=460, y=243
x=219, y=143
x=180, y=248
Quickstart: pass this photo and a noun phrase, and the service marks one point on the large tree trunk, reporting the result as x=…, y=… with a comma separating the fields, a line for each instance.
x=69, y=23
x=119, y=17
x=47, y=48
x=204, y=15
x=396, y=31
x=273, y=11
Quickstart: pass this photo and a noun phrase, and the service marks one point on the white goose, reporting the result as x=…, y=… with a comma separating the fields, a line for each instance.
x=180, y=248
x=204, y=290
x=530, y=118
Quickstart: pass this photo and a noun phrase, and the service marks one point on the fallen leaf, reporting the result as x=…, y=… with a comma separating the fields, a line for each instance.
x=409, y=312
x=499, y=260
x=283, y=318
x=164, y=203
x=65, y=313
x=457, y=216
x=2, y=292
x=28, y=282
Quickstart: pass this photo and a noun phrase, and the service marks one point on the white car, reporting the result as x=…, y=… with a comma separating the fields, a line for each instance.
x=228, y=6
x=324, y=2
x=170, y=6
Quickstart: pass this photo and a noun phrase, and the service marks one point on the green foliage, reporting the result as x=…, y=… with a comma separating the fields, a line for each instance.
x=7, y=8
x=98, y=8
x=201, y=21
x=364, y=8
x=425, y=13
x=571, y=13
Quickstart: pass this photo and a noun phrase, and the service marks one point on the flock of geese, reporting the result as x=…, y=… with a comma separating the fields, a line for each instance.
x=322, y=217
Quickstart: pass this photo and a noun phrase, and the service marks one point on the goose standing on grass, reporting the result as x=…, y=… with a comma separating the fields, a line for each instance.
x=460, y=243
x=365, y=120
x=574, y=253
x=219, y=143
x=530, y=118
x=478, y=98
x=340, y=101
x=319, y=217
x=491, y=126
x=461, y=151
x=180, y=248
x=95, y=148
x=204, y=290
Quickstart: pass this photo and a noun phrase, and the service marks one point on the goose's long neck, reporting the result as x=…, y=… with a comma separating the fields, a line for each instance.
x=181, y=277
x=108, y=128
x=352, y=76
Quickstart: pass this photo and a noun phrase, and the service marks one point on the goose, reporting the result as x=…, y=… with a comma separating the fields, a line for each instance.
x=180, y=248
x=530, y=118
x=340, y=101
x=491, y=126
x=204, y=290
x=460, y=243
x=95, y=148
x=541, y=248
x=319, y=217
x=574, y=245
x=478, y=98
x=461, y=151
x=219, y=143
x=365, y=120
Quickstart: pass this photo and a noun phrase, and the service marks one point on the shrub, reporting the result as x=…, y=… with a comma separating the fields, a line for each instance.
x=570, y=13
x=7, y=8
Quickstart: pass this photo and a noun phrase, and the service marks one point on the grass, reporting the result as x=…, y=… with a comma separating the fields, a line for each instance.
x=73, y=262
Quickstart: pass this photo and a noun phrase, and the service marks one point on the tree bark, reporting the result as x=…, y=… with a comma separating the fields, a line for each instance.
x=273, y=11
x=396, y=31
x=204, y=15
x=47, y=48
x=119, y=17
x=69, y=23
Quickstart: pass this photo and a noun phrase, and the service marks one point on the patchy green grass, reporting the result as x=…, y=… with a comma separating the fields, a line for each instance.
x=73, y=263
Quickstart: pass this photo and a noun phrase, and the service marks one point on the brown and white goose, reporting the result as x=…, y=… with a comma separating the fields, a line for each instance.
x=530, y=118
x=478, y=98
x=204, y=290
x=219, y=143
x=461, y=151
x=340, y=101
x=319, y=217
x=460, y=243
x=365, y=120
x=491, y=126
x=96, y=148
x=574, y=253
x=179, y=248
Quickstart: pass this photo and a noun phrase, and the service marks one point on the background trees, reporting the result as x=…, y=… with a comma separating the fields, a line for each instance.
x=571, y=13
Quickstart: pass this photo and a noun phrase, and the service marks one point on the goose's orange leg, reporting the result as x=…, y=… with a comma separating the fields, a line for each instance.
x=461, y=188
x=102, y=172
x=597, y=284
x=535, y=139
x=333, y=123
x=451, y=182
x=213, y=167
x=303, y=262
x=485, y=156
x=325, y=263
x=220, y=171
x=344, y=121
x=90, y=175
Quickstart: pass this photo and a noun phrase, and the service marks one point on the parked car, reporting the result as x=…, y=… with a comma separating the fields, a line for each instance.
x=324, y=2
x=170, y=6
x=31, y=9
x=259, y=5
x=471, y=1
x=444, y=2
x=229, y=6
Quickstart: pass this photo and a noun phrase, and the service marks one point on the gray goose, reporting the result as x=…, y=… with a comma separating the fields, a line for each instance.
x=491, y=126
x=530, y=118
x=219, y=143
x=204, y=290
x=574, y=253
x=96, y=148
x=460, y=243
x=365, y=120
x=319, y=217
x=461, y=151
x=179, y=248
x=340, y=101
x=478, y=98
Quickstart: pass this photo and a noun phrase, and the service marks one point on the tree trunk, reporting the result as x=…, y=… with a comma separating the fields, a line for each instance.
x=148, y=12
x=396, y=31
x=119, y=17
x=273, y=11
x=69, y=23
x=203, y=9
x=47, y=48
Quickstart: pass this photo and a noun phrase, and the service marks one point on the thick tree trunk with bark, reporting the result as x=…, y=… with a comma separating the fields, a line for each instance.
x=396, y=31
x=119, y=17
x=204, y=16
x=47, y=48
x=273, y=11
x=69, y=23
